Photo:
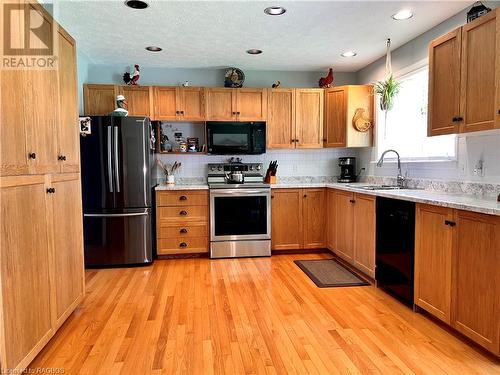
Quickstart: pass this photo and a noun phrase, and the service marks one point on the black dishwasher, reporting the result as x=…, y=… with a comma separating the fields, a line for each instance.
x=395, y=252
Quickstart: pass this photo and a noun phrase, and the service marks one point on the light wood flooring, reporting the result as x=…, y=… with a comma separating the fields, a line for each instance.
x=248, y=316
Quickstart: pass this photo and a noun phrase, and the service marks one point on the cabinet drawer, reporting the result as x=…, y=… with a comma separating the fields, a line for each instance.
x=182, y=198
x=182, y=245
x=182, y=231
x=182, y=214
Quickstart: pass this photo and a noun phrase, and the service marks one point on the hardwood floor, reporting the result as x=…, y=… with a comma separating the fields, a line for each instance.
x=255, y=316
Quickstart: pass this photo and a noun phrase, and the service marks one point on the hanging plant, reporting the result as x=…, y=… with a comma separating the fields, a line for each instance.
x=389, y=87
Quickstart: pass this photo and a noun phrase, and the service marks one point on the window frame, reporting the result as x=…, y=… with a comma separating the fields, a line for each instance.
x=402, y=73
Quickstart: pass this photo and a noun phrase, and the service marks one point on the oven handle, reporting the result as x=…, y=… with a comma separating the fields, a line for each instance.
x=239, y=192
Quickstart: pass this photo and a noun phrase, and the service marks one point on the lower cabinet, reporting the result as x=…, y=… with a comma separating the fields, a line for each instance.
x=182, y=222
x=298, y=219
x=41, y=262
x=457, y=276
x=353, y=218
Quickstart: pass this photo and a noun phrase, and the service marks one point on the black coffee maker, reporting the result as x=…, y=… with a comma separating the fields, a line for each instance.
x=347, y=169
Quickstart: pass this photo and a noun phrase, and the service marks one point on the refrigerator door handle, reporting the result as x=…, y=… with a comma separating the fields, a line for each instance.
x=117, y=172
x=145, y=213
x=110, y=166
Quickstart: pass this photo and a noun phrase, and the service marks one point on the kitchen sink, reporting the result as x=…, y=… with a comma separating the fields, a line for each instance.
x=376, y=187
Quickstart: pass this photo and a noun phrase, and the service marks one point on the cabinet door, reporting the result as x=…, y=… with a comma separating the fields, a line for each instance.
x=69, y=142
x=281, y=118
x=221, y=104
x=314, y=218
x=335, y=117
x=480, y=59
x=309, y=118
x=68, y=269
x=444, y=84
x=193, y=103
x=364, y=234
x=286, y=219
x=476, y=287
x=251, y=104
x=99, y=100
x=139, y=99
x=166, y=103
x=344, y=219
x=330, y=223
x=24, y=270
x=433, y=250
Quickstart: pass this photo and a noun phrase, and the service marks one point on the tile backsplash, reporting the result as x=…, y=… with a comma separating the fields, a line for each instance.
x=291, y=163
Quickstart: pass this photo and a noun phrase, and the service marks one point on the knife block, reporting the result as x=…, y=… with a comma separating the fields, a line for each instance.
x=272, y=180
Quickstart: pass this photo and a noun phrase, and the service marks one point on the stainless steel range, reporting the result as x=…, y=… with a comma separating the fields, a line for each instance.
x=240, y=210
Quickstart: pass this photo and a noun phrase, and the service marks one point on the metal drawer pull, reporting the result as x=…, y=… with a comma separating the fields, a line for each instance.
x=352, y=201
x=32, y=155
x=450, y=223
x=118, y=215
x=183, y=213
x=183, y=198
x=183, y=244
x=51, y=190
x=183, y=230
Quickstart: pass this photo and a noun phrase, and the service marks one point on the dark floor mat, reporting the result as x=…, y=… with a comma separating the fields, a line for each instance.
x=328, y=273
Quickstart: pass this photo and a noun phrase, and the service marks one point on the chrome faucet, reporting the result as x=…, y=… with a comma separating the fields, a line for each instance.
x=401, y=180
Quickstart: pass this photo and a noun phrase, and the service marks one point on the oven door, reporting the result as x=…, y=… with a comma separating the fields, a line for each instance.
x=229, y=138
x=240, y=214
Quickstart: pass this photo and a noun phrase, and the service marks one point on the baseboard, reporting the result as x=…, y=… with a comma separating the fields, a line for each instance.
x=299, y=251
x=182, y=256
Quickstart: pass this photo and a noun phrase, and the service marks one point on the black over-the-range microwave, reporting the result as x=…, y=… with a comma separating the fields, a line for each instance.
x=233, y=138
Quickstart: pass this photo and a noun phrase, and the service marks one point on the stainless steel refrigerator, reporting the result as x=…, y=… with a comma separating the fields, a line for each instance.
x=116, y=166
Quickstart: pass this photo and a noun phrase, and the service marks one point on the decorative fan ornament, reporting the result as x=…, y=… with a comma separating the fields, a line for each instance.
x=234, y=77
x=360, y=121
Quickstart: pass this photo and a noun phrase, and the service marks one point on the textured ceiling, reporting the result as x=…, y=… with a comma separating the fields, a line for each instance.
x=197, y=34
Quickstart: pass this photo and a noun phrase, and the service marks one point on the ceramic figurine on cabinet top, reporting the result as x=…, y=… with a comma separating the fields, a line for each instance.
x=132, y=79
x=121, y=107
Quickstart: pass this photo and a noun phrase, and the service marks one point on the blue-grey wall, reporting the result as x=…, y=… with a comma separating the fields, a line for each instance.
x=83, y=64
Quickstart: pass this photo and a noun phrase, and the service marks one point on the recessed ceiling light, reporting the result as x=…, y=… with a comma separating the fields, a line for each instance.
x=136, y=4
x=153, y=49
x=348, y=54
x=254, y=51
x=403, y=15
x=275, y=11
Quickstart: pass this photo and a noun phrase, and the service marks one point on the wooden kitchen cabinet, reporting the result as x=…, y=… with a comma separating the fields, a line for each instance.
x=68, y=264
x=286, y=219
x=314, y=210
x=464, y=74
x=330, y=219
x=227, y=104
x=179, y=103
x=309, y=118
x=341, y=104
x=68, y=131
x=355, y=230
x=457, y=255
x=433, y=254
x=99, y=100
x=280, y=118
x=476, y=278
x=24, y=270
x=182, y=222
x=298, y=219
x=139, y=99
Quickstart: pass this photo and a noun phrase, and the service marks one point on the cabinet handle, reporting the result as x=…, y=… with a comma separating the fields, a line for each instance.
x=352, y=201
x=450, y=223
x=51, y=190
x=61, y=157
x=183, y=230
x=305, y=195
x=324, y=139
x=32, y=155
x=272, y=196
x=182, y=113
x=183, y=198
x=297, y=140
x=238, y=113
x=499, y=111
x=457, y=119
x=183, y=213
x=183, y=245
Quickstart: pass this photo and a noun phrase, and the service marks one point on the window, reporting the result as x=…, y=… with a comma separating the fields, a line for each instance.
x=405, y=128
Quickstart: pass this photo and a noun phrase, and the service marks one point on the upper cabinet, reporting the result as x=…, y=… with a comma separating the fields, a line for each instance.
x=343, y=106
x=99, y=100
x=464, y=78
x=179, y=103
x=295, y=118
x=139, y=99
x=226, y=104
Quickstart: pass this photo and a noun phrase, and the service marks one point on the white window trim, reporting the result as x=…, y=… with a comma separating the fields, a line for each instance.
x=425, y=159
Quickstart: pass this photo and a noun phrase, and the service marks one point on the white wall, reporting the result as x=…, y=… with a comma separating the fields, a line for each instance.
x=470, y=148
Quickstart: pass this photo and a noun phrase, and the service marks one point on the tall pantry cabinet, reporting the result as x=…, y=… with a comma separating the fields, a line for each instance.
x=41, y=231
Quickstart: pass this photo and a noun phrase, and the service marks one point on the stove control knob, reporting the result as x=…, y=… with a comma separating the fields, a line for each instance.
x=219, y=168
x=212, y=168
x=251, y=167
x=258, y=167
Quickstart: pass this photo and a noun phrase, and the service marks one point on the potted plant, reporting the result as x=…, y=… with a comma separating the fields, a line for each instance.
x=387, y=90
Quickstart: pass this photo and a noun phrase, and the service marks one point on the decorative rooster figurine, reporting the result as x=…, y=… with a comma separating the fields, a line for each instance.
x=325, y=82
x=132, y=79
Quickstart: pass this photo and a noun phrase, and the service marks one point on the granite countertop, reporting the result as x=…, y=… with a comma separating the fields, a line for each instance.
x=468, y=202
